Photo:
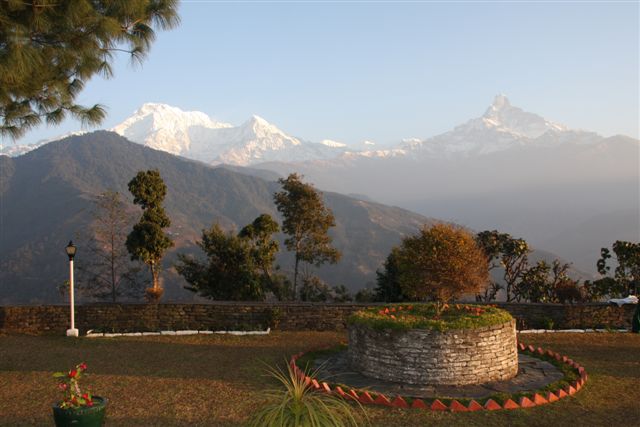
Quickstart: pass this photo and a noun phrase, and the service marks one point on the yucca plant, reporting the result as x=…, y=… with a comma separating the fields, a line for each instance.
x=297, y=404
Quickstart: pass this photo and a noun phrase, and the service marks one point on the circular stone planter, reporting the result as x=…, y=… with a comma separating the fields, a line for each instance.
x=424, y=356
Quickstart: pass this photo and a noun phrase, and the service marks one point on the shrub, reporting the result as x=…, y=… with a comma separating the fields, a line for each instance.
x=441, y=263
x=297, y=403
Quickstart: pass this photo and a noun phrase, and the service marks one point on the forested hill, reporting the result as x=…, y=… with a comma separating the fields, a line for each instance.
x=45, y=198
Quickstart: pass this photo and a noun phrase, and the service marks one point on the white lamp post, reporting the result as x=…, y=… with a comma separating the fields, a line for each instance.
x=71, y=251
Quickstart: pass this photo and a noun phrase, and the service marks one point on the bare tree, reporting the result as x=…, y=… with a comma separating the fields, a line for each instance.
x=109, y=273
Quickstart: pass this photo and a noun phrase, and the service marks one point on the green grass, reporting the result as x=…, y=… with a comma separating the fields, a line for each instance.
x=424, y=316
x=212, y=380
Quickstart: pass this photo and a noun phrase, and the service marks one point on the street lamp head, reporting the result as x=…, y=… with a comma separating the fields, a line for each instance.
x=71, y=250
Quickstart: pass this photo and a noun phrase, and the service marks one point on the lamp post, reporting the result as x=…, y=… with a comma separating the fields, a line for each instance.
x=71, y=252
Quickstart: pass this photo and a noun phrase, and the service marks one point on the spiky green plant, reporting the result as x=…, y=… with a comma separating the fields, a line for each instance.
x=297, y=404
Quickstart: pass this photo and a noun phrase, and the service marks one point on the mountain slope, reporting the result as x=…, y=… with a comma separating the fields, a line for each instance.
x=46, y=194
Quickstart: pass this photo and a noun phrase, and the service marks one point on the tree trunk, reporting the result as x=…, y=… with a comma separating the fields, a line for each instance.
x=113, y=269
x=154, y=276
x=295, y=278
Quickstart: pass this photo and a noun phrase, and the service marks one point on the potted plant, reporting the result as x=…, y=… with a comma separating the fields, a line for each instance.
x=77, y=408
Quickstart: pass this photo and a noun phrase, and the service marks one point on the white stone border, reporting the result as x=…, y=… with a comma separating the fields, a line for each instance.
x=91, y=334
x=574, y=331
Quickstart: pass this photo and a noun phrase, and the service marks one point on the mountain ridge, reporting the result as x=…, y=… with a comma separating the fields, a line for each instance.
x=61, y=178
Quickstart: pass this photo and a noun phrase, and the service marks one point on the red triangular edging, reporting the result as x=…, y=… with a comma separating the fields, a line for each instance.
x=492, y=405
x=551, y=397
x=510, y=404
x=382, y=400
x=539, y=400
x=365, y=398
x=399, y=402
x=456, y=406
x=525, y=402
x=438, y=406
x=561, y=394
x=475, y=406
x=419, y=404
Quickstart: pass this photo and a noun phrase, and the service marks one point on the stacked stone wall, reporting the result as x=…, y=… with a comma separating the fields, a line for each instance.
x=54, y=319
x=417, y=356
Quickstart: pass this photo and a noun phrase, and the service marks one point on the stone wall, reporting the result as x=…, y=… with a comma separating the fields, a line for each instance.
x=455, y=357
x=54, y=319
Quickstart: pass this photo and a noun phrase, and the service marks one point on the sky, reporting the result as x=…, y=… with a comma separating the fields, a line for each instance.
x=384, y=71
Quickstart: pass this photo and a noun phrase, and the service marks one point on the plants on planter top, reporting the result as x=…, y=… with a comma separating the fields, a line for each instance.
x=429, y=316
x=78, y=407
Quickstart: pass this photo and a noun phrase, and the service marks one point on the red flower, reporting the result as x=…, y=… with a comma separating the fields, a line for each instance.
x=90, y=403
x=82, y=366
x=85, y=396
x=62, y=386
x=381, y=312
x=393, y=309
x=393, y=317
x=386, y=310
x=73, y=373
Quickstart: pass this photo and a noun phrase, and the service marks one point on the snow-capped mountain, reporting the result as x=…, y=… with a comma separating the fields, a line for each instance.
x=501, y=127
x=165, y=128
x=196, y=136
x=15, y=150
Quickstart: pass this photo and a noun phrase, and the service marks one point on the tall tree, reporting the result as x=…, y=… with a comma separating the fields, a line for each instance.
x=388, y=279
x=264, y=249
x=514, y=259
x=441, y=263
x=231, y=272
x=307, y=221
x=49, y=49
x=109, y=273
x=147, y=242
x=627, y=272
x=491, y=244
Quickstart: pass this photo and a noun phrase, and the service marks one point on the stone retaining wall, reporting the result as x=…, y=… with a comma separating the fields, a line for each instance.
x=454, y=357
x=54, y=319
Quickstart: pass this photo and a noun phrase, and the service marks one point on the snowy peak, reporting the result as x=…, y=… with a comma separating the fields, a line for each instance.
x=164, y=127
x=499, y=102
x=504, y=117
x=332, y=143
x=501, y=127
x=261, y=129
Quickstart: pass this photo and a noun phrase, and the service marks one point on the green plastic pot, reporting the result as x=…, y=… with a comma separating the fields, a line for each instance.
x=87, y=416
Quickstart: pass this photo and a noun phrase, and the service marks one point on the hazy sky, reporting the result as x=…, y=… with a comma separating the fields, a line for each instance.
x=384, y=71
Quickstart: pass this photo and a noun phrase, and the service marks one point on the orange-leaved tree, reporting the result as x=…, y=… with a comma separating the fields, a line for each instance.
x=440, y=264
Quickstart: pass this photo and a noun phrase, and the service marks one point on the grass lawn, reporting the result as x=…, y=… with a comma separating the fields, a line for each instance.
x=214, y=380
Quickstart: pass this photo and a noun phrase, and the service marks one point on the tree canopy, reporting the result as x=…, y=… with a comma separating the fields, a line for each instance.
x=627, y=273
x=441, y=263
x=238, y=267
x=387, y=279
x=49, y=49
x=307, y=221
x=148, y=242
